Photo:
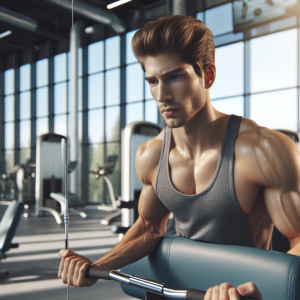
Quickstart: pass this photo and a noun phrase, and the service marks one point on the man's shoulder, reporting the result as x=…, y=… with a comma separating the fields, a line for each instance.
x=147, y=157
x=253, y=136
x=262, y=152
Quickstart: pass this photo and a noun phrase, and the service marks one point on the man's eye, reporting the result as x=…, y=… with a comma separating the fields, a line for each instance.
x=175, y=77
x=152, y=81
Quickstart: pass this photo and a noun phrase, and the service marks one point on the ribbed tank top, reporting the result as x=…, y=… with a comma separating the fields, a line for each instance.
x=214, y=215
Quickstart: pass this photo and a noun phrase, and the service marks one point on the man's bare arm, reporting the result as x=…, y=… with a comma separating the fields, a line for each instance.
x=140, y=239
x=273, y=161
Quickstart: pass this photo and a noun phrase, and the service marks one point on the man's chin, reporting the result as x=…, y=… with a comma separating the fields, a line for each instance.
x=174, y=123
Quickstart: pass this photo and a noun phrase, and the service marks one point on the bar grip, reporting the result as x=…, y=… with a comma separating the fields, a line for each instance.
x=193, y=294
x=99, y=273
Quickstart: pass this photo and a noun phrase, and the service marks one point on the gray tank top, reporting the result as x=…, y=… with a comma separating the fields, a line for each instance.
x=214, y=215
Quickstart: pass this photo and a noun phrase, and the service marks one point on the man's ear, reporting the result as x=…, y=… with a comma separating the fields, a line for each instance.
x=210, y=76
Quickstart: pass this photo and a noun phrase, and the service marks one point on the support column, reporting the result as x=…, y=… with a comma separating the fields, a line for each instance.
x=73, y=138
x=179, y=7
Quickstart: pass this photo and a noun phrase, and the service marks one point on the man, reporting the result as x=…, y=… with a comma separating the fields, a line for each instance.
x=225, y=178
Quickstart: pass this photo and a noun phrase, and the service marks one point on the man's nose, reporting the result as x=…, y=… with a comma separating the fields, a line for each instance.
x=163, y=93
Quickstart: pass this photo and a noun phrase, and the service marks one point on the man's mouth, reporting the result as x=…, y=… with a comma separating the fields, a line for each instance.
x=169, y=111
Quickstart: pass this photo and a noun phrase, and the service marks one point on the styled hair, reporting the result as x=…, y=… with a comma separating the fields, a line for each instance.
x=182, y=35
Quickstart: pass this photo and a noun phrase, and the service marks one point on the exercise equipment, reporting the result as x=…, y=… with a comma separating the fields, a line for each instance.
x=50, y=179
x=102, y=172
x=74, y=201
x=64, y=147
x=48, y=171
x=184, y=263
x=8, y=226
x=133, y=135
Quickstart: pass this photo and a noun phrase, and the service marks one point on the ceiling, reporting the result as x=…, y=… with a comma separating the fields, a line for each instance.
x=54, y=22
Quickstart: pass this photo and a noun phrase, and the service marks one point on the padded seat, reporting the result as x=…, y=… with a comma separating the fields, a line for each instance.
x=8, y=226
x=182, y=263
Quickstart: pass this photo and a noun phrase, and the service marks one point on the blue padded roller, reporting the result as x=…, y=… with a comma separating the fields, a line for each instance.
x=9, y=224
x=182, y=263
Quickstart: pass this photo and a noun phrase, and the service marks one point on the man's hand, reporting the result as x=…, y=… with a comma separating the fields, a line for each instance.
x=72, y=269
x=227, y=292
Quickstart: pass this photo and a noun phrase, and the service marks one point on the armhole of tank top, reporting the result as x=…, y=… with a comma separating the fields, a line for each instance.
x=232, y=188
x=231, y=172
x=160, y=160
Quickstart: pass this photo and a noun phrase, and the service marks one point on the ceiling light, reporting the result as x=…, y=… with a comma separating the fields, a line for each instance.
x=117, y=3
x=89, y=30
x=4, y=34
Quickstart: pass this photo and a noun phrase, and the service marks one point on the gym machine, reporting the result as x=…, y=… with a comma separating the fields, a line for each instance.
x=133, y=135
x=50, y=179
x=8, y=226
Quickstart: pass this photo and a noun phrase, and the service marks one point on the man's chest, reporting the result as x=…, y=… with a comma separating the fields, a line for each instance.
x=192, y=176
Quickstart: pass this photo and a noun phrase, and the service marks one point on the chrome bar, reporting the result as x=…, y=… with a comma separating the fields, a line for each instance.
x=120, y=277
x=147, y=285
x=174, y=294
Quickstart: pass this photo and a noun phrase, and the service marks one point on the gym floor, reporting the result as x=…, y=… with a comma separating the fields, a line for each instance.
x=33, y=266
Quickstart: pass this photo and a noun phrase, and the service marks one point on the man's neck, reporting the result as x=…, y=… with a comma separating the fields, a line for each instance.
x=203, y=132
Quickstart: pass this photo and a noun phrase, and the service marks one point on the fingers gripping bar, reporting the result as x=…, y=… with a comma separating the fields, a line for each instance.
x=147, y=285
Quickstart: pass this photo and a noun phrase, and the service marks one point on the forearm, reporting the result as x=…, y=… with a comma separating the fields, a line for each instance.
x=137, y=243
x=295, y=248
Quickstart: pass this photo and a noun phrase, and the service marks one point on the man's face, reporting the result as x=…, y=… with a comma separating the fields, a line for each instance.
x=178, y=91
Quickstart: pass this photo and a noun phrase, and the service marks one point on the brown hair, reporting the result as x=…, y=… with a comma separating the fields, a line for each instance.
x=182, y=35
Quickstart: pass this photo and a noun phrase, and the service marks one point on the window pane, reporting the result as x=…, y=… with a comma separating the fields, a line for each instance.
x=42, y=126
x=24, y=155
x=60, y=124
x=25, y=134
x=224, y=17
x=112, y=87
x=42, y=106
x=112, y=123
x=42, y=72
x=25, y=77
x=9, y=78
x=9, y=108
x=151, y=111
x=60, y=67
x=96, y=85
x=134, y=112
x=275, y=110
x=273, y=61
x=9, y=135
x=112, y=52
x=25, y=105
x=115, y=177
x=79, y=63
x=134, y=83
x=230, y=105
x=79, y=94
x=96, y=120
x=9, y=160
x=96, y=158
x=79, y=126
x=96, y=57
x=200, y=16
x=130, y=58
x=60, y=98
x=229, y=77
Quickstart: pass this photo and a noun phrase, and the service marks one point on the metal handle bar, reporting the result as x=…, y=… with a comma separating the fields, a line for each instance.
x=147, y=285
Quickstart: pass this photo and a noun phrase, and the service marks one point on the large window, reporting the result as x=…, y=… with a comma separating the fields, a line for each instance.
x=257, y=78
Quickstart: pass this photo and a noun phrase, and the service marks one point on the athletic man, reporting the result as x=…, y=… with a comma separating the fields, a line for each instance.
x=225, y=178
